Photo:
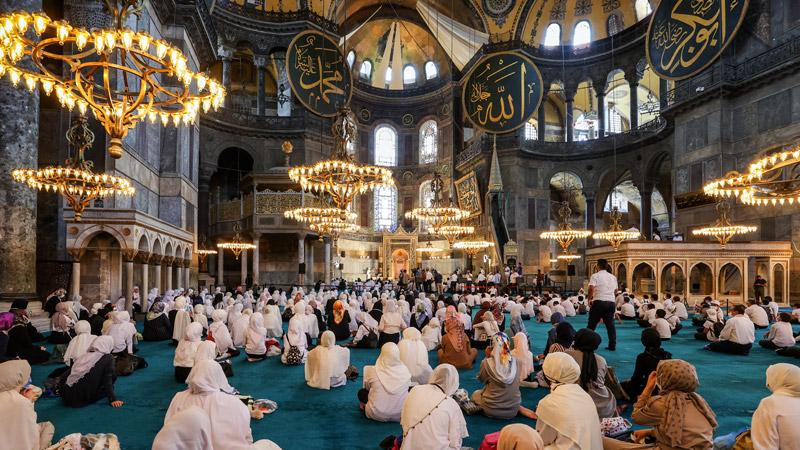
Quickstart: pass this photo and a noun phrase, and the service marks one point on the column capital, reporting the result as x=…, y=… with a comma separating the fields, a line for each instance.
x=302, y=236
x=225, y=53
x=76, y=254
x=167, y=260
x=260, y=61
x=129, y=255
x=143, y=257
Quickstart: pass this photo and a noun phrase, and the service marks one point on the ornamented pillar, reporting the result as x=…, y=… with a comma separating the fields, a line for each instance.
x=187, y=273
x=220, y=267
x=145, y=290
x=310, y=262
x=128, y=256
x=167, y=263
x=601, y=112
x=301, y=256
x=570, y=101
x=75, y=285
x=156, y=260
x=19, y=147
x=178, y=268
x=284, y=90
x=261, y=65
x=327, y=260
x=243, y=258
x=633, y=85
x=591, y=215
x=256, y=258
x=646, y=213
x=225, y=53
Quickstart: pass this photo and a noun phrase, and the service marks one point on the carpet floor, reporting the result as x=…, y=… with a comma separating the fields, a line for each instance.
x=313, y=419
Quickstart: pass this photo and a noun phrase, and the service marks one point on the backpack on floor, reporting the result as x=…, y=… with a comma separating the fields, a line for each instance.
x=293, y=356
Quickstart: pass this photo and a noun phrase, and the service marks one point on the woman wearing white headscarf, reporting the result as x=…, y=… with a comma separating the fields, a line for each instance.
x=465, y=318
x=327, y=363
x=431, y=418
x=80, y=344
x=272, y=321
x=432, y=334
x=256, y=338
x=500, y=397
x=405, y=309
x=123, y=332
x=414, y=355
x=311, y=320
x=185, y=352
x=300, y=318
x=218, y=332
x=18, y=428
x=295, y=337
x=189, y=429
x=91, y=376
x=234, y=313
x=239, y=328
x=485, y=329
x=567, y=416
x=441, y=311
x=522, y=354
x=385, y=386
x=61, y=324
x=199, y=316
x=180, y=320
x=353, y=309
x=207, y=351
x=776, y=422
x=391, y=324
x=229, y=417
x=366, y=325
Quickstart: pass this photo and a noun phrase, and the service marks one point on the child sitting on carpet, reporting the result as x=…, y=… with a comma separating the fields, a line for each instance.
x=780, y=334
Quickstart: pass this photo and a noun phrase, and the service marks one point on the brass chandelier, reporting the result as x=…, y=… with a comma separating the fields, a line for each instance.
x=473, y=245
x=321, y=216
x=438, y=214
x=237, y=246
x=452, y=232
x=334, y=229
x=123, y=76
x=615, y=235
x=429, y=248
x=75, y=180
x=565, y=235
x=202, y=252
x=340, y=177
x=723, y=230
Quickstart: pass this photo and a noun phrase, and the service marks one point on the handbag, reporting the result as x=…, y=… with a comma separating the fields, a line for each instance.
x=351, y=373
x=614, y=426
x=293, y=356
x=124, y=365
x=465, y=403
x=744, y=441
x=490, y=441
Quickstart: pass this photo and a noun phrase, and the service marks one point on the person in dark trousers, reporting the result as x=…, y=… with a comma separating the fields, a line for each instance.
x=602, y=305
x=759, y=287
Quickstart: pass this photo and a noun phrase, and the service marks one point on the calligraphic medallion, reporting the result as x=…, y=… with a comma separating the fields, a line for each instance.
x=502, y=92
x=686, y=36
x=318, y=74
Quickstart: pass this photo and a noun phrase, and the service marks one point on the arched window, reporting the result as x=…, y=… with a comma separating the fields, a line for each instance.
x=585, y=127
x=431, y=71
x=428, y=142
x=351, y=58
x=552, y=36
x=366, y=70
x=618, y=199
x=409, y=75
x=643, y=9
x=385, y=146
x=614, y=121
x=385, y=198
x=388, y=74
x=531, y=133
x=582, y=34
x=614, y=24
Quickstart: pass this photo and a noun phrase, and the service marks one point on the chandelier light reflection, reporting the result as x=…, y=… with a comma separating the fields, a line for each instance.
x=615, y=235
x=237, y=246
x=340, y=177
x=565, y=235
x=75, y=180
x=723, y=230
x=438, y=214
x=568, y=257
x=123, y=76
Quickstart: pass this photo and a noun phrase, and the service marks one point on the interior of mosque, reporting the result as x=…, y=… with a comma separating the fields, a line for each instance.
x=621, y=129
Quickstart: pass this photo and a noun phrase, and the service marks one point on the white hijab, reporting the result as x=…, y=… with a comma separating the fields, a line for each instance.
x=219, y=331
x=182, y=318
x=101, y=346
x=392, y=373
x=18, y=427
x=187, y=347
x=256, y=335
x=522, y=355
x=207, y=351
x=414, y=355
x=199, y=316
x=80, y=344
x=326, y=361
x=502, y=366
x=189, y=429
x=423, y=399
x=122, y=330
x=239, y=328
x=272, y=321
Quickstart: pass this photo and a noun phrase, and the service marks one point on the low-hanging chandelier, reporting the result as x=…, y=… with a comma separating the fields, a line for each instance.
x=565, y=235
x=321, y=215
x=568, y=257
x=453, y=231
x=334, y=229
x=438, y=214
x=75, y=180
x=615, y=234
x=430, y=249
x=340, y=177
x=202, y=252
x=236, y=245
x=723, y=230
x=473, y=246
x=123, y=76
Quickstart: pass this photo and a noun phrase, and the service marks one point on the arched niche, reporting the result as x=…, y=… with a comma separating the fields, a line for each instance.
x=701, y=280
x=778, y=283
x=622, y=275
x=730, y=281
x=673, y=279
x=101, y=269
x=644, y=279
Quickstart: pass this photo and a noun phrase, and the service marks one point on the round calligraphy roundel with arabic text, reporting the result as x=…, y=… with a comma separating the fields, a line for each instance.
x=502, y=92
x=317, y=71
x=686, y=36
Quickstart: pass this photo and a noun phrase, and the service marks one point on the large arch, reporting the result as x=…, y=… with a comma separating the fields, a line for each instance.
x=644, y=279
x=730, y=280
x=673, y=279
x=82, y=239
x=701, y=280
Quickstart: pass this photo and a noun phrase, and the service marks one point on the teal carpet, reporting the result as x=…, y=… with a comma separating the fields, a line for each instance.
x=314, y=419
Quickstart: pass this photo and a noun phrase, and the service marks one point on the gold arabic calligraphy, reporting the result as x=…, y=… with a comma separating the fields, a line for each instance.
x=320, y=76
x=494, y=101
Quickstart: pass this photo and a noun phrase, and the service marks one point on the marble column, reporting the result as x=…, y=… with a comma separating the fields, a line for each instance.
x=327, y=261
x=75, y=285
x=310, y=262
x=591, y=215
x=541, y=122
x=226, y=55
x=663, y=91
x=284, y=89
x=129, y=283
x=176, y=269
x=243, y=258
x=19, y=147
x=601, y=113
x=256, y=257
x=570, y=101
x=633, y=84
x=301, y=256
x=168, y=266
x=157, y=275
x=220, y=267
x=646, y=213
x=145, y=290
x=261, y=65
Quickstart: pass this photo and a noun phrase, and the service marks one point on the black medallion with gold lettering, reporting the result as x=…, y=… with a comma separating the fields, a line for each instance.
x=502, y=92
x=318, y=73
x=686, y=36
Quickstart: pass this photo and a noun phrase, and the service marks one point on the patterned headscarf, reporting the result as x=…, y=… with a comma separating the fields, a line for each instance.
x=338, y=311
x=503, y=366
x=454, y=328
x=678, y=381
x=6, y=321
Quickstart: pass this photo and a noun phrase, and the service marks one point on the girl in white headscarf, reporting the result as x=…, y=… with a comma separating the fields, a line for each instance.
x=405, y=309
x=431, y=418
x=567, y=416
x=295, y=337
x=189, y=429
x=180, y=320
x=80, y=344
x=199, y=316
x=229, y=417
x=91, y=376
x=465, y=318
x=432, y=334
x=441, y=310
x=299, y=316
x=234, y=313
x=272, y=321
x=327, y=363
x=207, y=351
x=61, y=324
x=123, y=332
x=311, y=320
x=486, y=328
x=415, y=356
x=500, y=397
x=385, y=386
x=184, y=353
x=776, y=422
x=353, y=309
x=239, y=328
x=523, y=356
x=391, y=323
x=218, y=332
x=256, y=338
x=18, y=427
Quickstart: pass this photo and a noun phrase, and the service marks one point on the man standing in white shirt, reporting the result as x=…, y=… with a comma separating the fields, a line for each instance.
x=602, y=305
x=737, y=336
